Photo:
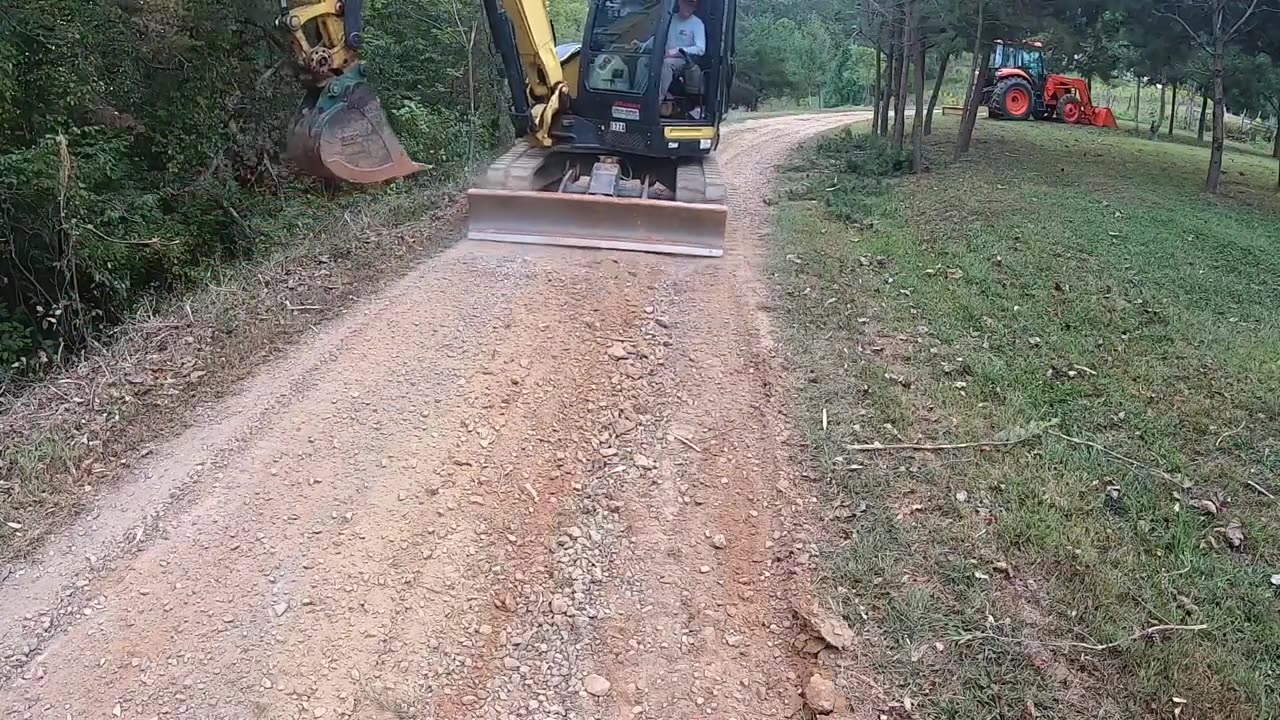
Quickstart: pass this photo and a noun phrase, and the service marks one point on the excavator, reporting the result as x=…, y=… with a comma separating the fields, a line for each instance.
x=604, y=161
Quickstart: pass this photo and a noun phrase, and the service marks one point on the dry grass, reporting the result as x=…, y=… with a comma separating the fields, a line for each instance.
x=66, y=438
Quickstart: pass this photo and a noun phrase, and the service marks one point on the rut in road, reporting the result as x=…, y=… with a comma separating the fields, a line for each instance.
x=522, y=483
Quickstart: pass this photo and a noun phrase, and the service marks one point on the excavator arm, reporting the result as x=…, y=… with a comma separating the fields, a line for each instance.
x=340, y=130
x=525, y=40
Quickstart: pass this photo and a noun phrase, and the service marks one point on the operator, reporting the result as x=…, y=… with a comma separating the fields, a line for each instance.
x=686, y=41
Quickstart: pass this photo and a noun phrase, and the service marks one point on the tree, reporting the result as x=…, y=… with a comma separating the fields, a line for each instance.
x=945, y=49
x=1214, y=26
x=906, y=38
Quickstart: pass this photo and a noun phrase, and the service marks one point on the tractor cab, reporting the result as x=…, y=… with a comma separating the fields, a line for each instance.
x=1027, y=59
x=1018, y=69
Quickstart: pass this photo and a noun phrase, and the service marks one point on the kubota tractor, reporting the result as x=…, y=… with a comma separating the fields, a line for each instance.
x=1019, y=88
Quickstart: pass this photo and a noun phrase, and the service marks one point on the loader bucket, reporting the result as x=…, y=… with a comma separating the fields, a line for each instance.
x=1103, y=117
x=340, y=132
x=597, y=221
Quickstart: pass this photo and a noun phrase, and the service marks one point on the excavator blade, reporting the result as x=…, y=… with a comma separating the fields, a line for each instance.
x=340, y=132
x=597, y=221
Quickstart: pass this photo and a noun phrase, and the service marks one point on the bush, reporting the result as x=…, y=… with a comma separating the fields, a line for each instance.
x=858, y=165
x=140, y=145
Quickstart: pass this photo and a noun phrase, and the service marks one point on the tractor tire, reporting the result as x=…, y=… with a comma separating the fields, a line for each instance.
x=1013, y=98
x=1070, y=110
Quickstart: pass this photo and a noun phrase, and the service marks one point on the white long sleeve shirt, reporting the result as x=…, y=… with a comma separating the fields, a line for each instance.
x=688, y=34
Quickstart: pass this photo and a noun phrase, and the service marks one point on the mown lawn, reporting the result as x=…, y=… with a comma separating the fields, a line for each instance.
x=1072, y=289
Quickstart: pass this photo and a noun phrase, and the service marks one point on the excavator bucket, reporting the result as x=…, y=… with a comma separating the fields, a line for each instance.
x=1103, y=117
x=597, y=221
x=340, y=132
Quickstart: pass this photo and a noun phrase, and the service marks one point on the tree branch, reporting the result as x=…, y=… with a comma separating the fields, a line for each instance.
x=1195, y=36
x=1231, y=33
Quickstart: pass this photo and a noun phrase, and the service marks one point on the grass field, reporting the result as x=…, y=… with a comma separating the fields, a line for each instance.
x=1070, y=293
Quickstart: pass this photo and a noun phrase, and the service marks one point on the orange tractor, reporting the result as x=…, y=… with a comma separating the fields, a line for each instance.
x=1019, y=88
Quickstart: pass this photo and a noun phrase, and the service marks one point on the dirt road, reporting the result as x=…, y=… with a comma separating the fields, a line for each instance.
x=520, y=483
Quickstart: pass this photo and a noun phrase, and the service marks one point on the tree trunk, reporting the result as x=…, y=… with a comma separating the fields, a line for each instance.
x=1275, y=149
x=917, y=123
x=1137, y=109
x=875, y=111
x=1173, y=107
x=1164, y=89
x=973, y=99
x=1204, y=113
x=937, y=90
x=891, y=81
x=904, y=76
x=1213, y=182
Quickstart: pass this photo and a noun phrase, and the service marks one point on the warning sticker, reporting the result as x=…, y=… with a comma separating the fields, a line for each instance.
x=626, y=111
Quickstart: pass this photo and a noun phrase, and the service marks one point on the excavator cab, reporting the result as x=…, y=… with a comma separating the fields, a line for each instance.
x=625, y=62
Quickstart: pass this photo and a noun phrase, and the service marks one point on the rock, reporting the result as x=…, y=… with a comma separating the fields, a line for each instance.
x=662, y=321
x=704, y=569
x=319, y=711
x=510, y=663
x=820, y=695
x=719, y=541
x=559, y=606
x=280, y=608
x=644, y=463
x=826, y=624
x=617, y=352
x=813, y=645
x=596, y=685
x=266, y=683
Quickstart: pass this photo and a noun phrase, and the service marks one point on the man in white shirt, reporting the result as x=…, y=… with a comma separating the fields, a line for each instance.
x=686, y=41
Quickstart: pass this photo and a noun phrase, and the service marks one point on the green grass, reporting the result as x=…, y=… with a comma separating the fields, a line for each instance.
x=1067, y=279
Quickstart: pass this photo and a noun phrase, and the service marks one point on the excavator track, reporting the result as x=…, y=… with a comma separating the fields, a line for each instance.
x=520, y=200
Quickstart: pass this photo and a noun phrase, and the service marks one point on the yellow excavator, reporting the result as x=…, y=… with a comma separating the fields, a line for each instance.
x=606, y=161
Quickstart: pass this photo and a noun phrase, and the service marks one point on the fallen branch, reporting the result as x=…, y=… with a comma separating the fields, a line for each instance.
x=686, y=442
x=1140, y=635
x=1133, y=464
x=1228, y=434
x=1260, y=489
x=934, y=448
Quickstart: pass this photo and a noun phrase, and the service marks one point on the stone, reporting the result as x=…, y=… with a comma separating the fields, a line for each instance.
x=820, y=695
x=596, y=685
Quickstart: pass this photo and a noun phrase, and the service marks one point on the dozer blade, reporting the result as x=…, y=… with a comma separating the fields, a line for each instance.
x=340, y=132
x=597, y=221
